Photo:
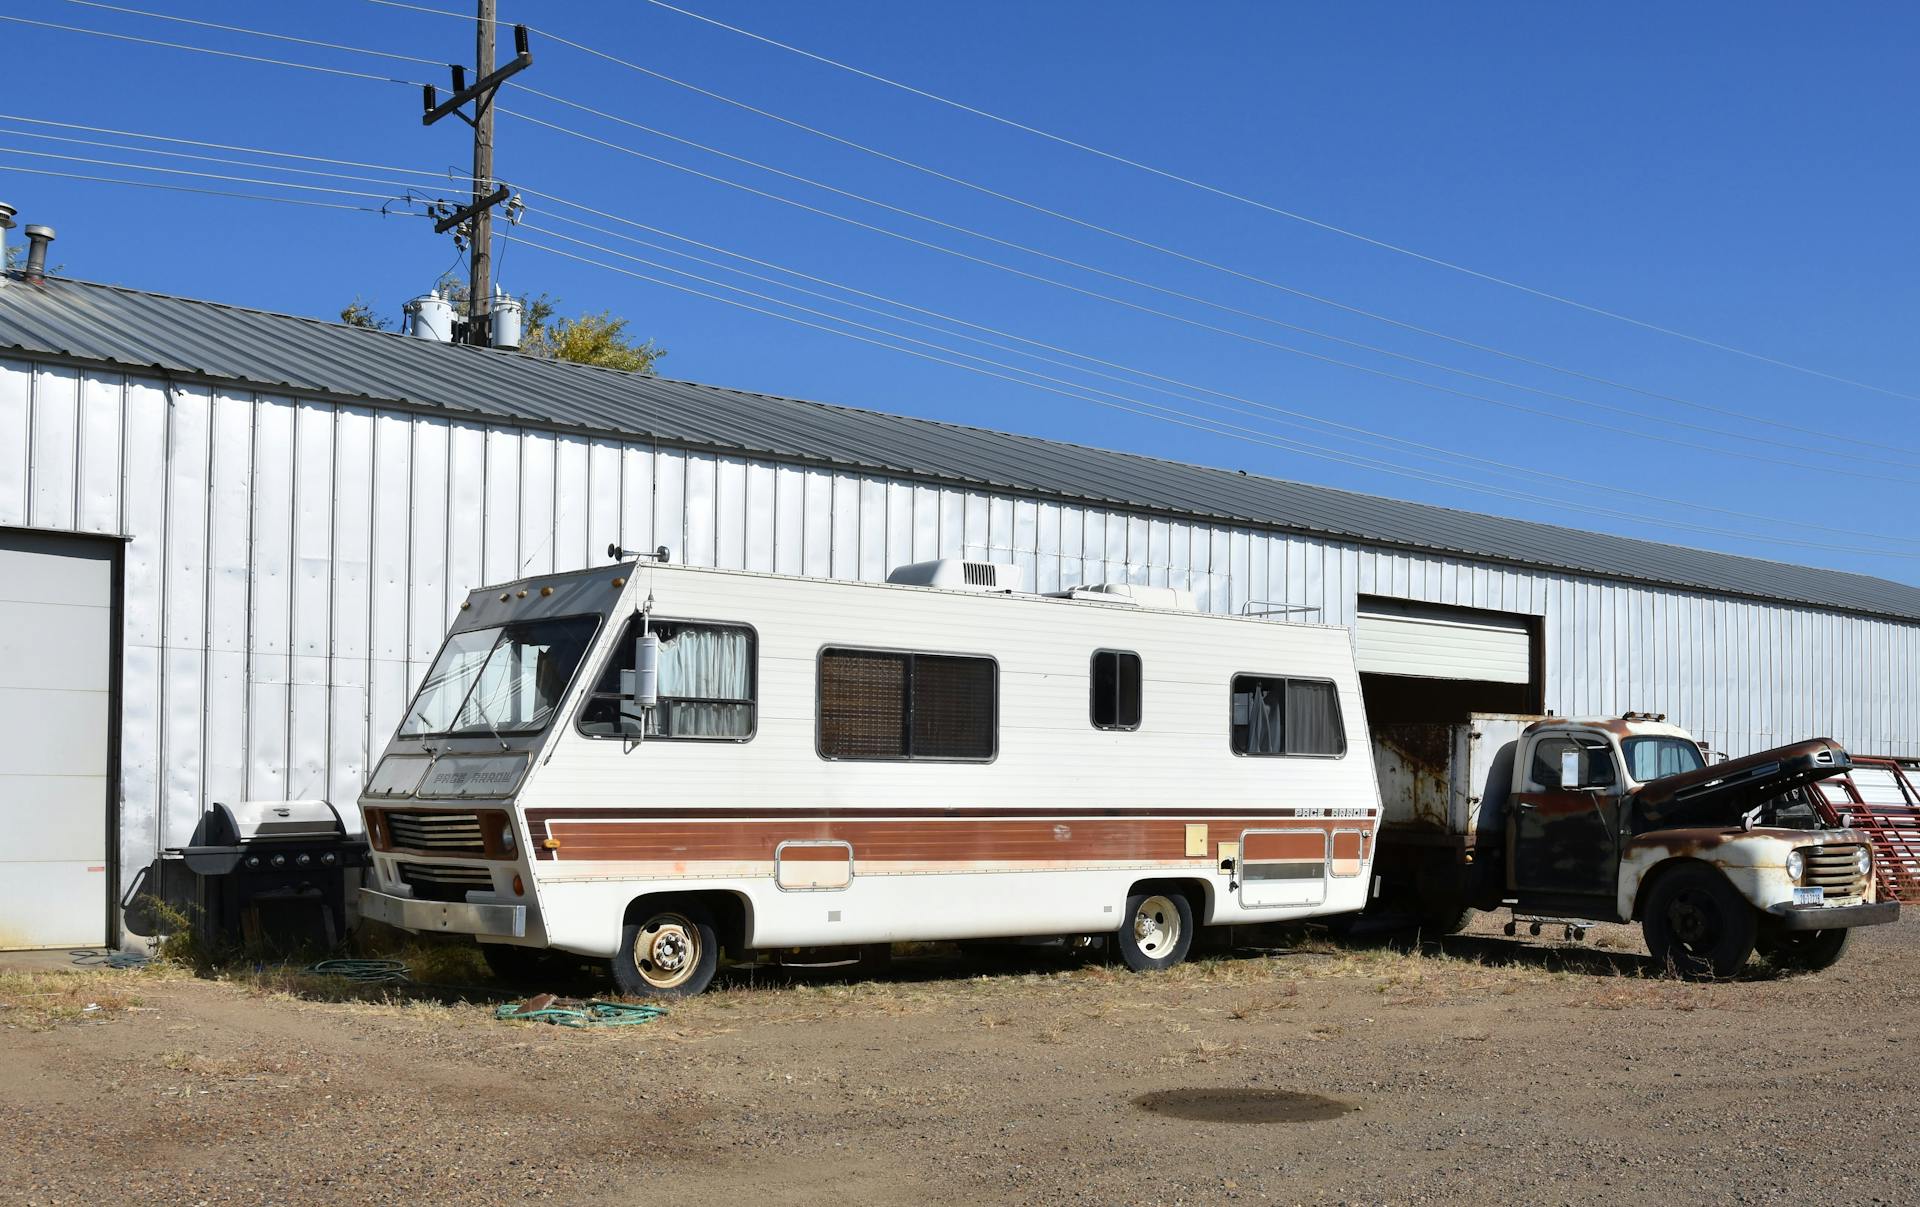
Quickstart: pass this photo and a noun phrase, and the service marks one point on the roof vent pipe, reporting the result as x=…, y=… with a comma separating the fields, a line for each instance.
x=6, y=224
x=37, y=239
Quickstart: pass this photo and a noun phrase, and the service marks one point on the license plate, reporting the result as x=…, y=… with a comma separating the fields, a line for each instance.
x=1810, y=896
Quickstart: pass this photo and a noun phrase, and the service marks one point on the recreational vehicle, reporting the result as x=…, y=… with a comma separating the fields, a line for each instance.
x=651, y=763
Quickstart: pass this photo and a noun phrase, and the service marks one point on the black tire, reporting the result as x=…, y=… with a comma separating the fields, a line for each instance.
x=1697, y=926
x=1437, y=921
x=1806, y=950
x=520, y=965
x=1157, y=931
x=668, y=950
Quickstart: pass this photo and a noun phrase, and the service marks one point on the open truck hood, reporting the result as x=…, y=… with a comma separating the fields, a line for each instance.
x=1722, y=793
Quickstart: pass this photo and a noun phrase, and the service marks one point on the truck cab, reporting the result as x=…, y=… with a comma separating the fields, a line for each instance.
x=1625, y=819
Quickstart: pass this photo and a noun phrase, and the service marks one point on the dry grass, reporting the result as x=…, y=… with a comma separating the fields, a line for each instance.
x=40, y=999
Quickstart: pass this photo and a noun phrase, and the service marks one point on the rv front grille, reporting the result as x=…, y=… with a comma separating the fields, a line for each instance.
x=441, y=833
x=1835, y=870
x=431, y=882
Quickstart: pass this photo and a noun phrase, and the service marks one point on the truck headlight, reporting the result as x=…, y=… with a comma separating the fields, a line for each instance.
x=1863, y=862
x=1796, y=865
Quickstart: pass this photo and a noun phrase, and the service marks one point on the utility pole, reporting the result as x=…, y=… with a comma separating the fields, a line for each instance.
x=480, y=278
x=487, y=193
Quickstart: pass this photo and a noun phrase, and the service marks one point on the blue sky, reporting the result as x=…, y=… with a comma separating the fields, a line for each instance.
x=1743, y=173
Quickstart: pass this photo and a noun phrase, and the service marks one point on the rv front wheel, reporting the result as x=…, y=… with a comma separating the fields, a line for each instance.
x=1157, y=932
x=667, y=952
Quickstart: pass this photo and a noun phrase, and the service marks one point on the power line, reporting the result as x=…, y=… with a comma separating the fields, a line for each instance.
x=219, y=146
x=1348, y=431
x=149, y=167
x=225, y=54
x=1137, y=241
x=1296, y=418
x=1130, y=280
x=182, y=188
x=258, y=33
x=245, y=163
x=1215, y=427
x=1652, y=436
x=1793, y=446
x=1242, y=199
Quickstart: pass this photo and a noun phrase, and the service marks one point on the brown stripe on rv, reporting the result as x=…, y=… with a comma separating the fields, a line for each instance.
x=594, y=836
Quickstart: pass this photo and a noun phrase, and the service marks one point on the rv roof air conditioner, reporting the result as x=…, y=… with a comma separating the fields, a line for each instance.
x=1138, y=594
x=958, y=574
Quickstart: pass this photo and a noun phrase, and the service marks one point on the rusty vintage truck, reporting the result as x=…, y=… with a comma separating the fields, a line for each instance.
x=1621, y=820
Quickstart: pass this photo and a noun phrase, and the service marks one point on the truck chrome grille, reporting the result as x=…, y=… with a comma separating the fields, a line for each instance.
x=432, y=882
x=1835, y=870
x=442, y=833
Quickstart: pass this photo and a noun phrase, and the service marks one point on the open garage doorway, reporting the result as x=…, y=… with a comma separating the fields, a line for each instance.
x=1423, y=662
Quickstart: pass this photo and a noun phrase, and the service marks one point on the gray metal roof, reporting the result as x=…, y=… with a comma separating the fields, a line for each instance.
x=139, y=330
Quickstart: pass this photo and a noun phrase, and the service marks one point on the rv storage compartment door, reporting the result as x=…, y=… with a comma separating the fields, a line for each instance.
x=1283, y=867
x=803, y=866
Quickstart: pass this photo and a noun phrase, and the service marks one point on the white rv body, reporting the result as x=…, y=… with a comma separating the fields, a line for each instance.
x=549, y=837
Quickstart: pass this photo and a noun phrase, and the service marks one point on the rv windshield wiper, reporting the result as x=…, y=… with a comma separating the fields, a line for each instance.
x=480, y=707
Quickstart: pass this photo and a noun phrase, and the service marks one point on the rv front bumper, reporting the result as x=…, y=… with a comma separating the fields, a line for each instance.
x=1834, y=917
x=451, y=917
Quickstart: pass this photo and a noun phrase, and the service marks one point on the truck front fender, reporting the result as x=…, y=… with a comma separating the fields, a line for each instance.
x=1753, y=861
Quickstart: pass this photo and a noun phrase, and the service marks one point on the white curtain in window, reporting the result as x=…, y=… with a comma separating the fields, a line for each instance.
x=702, y=664
x=1314, y=715
x=1266, y=720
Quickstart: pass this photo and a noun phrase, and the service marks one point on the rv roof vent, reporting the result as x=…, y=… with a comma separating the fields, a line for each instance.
x=957, y=574
x=1138, y=594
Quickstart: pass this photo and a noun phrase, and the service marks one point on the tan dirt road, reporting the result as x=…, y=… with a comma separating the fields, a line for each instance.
x=1492, y=1070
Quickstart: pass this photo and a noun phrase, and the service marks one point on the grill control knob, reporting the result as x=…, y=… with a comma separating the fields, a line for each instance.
x=303, y=859
x=278, y=861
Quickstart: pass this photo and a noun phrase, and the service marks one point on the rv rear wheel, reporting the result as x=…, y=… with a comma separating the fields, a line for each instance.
x=1697, y=925
x=667, y=952
x=1157, y=931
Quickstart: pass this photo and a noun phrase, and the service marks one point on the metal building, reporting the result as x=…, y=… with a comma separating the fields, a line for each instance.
x=230, y=541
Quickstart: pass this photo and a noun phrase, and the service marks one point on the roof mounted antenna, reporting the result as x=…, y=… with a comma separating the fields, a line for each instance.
x=659, y=553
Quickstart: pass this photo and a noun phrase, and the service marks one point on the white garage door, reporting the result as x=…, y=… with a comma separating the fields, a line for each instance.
x=1394, y=637
x=56, y=705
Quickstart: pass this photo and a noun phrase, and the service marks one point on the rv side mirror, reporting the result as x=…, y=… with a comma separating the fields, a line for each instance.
x=1570, y=768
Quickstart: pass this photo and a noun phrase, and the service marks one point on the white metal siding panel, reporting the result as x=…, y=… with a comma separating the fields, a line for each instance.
x=1416, y=641
x=322, y=574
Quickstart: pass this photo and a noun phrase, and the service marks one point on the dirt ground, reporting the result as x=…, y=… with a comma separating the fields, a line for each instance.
x=1483, y=1070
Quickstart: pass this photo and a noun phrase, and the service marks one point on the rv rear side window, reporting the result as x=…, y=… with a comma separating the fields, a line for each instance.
x=1273, y=715
x=706, y=685
x=1115, y=690
x=886, y=705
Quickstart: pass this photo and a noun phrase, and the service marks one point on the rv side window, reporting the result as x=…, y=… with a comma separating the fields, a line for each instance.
x=881, y=704
x=1115, y=689
x=1279, y=716
x=707, y=684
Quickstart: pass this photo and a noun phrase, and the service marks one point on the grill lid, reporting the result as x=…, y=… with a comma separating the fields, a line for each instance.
x=251, y=821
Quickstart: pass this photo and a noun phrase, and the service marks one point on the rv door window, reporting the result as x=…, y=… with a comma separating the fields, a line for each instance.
x=1272, y=715
x=1115, y=689
x=706, y=685
x=881, y=704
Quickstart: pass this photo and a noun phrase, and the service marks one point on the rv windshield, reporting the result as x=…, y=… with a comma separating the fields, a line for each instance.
x=509, y=678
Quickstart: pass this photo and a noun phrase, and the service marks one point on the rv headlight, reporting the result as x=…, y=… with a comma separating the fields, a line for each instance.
x=1796, y=865
x=506, y=838
x=1863, y=861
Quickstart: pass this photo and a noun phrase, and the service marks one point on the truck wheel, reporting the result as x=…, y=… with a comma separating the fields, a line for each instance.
x=1807, y=950
x=1439, y=921
x=668, y=952
x=1158, y=932
x=1697, y=925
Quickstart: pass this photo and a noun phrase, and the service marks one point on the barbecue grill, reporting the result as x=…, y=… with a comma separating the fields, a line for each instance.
x=273, y=873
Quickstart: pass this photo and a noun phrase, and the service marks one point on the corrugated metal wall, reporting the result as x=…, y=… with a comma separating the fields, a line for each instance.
x=293, y=563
